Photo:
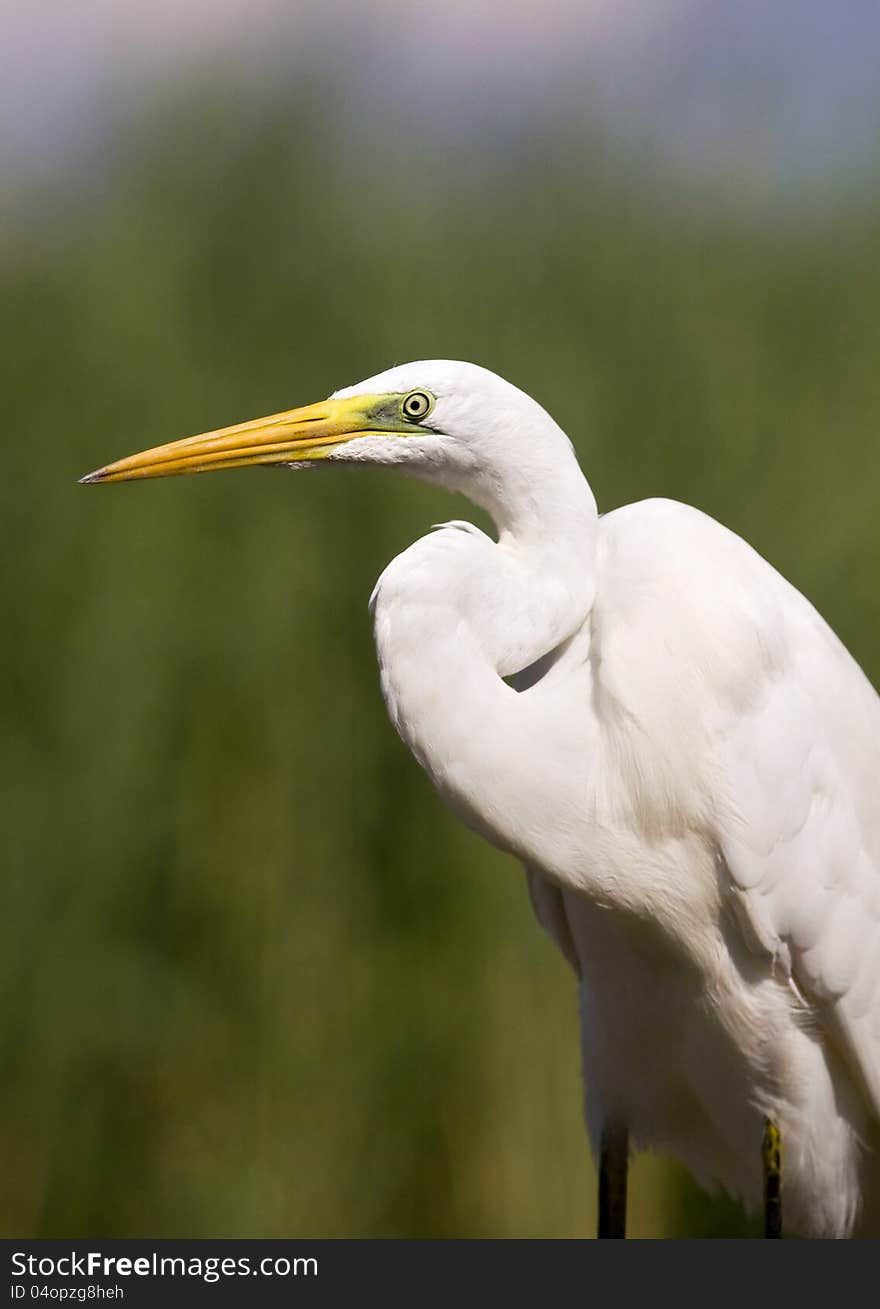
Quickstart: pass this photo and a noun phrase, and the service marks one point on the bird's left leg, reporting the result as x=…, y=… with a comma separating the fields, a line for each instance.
x=771, y=1151
x=613, y=1167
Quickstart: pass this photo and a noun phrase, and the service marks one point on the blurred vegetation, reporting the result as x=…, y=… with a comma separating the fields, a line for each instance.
x=255, y=981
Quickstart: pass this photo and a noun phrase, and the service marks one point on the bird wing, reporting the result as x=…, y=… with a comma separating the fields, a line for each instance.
x=770, y=733
x=799, y=828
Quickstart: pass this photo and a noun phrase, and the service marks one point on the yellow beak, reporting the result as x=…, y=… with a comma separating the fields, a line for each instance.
x=297, y=435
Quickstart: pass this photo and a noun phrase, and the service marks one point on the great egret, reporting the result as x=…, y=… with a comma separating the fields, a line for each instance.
x=677, y=748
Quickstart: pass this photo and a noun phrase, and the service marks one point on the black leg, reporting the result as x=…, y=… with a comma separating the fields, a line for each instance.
x=771, y=1151
x=613, y=1165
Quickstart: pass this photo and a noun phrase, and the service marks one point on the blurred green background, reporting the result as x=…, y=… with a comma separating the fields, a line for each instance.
x=254, y=980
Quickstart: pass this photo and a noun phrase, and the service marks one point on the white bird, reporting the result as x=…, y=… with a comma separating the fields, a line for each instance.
x=679, y=750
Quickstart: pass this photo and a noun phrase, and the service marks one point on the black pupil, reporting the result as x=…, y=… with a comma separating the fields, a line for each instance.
x=416, y=404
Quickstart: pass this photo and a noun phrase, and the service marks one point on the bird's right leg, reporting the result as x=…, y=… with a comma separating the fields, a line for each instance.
x=771, y=1153
x=613, y=1167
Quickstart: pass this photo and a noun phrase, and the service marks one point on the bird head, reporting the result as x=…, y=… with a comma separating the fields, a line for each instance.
x=440, y=420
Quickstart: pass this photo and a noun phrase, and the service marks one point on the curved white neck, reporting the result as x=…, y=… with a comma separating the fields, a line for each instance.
x=457, y=612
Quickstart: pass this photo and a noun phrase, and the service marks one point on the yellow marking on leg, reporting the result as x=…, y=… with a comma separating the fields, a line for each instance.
x=771, y=1153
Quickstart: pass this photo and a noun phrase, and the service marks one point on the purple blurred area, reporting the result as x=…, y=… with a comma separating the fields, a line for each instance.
x=755, y=102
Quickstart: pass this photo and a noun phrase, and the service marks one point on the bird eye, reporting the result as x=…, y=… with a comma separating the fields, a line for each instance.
x=416, y=404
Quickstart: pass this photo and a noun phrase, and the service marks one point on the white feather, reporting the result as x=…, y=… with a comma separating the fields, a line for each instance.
x=690, y=776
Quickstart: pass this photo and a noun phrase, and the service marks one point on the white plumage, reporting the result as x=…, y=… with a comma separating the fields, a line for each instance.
x=674, y=744
x=690, y=777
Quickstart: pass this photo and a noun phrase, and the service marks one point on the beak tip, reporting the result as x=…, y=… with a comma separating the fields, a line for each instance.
x=92, y=477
